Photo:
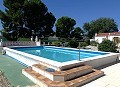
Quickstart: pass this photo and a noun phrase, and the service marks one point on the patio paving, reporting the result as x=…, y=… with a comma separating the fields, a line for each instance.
x=111, y=77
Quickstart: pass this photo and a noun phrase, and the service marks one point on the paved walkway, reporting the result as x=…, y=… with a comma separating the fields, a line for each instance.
x=110, y=79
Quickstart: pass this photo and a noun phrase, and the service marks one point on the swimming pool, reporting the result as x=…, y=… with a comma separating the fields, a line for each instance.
x=59, y=58
x=59, y=54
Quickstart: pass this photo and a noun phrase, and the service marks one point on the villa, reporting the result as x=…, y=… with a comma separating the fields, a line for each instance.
x=114, y=36
x=39, y=48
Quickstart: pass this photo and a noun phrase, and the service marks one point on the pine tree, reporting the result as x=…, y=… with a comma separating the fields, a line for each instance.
x=22, y=16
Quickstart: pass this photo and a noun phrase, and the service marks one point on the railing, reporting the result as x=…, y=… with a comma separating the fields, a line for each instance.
x=18, y=43
x=23, y=43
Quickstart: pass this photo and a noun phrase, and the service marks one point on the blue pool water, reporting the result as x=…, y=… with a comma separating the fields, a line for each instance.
x=58, y=54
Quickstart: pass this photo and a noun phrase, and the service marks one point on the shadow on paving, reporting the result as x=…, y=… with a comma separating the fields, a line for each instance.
x=107, y=65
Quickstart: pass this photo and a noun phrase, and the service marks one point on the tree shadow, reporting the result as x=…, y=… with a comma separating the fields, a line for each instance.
x=107, y=65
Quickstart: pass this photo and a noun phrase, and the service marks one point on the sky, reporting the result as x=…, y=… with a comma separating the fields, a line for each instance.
x=82, y=10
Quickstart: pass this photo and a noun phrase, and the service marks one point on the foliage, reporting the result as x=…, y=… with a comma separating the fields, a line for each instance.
x=22, y=16
x=23, y=39
x=107, y=46
x=11, y=18
x=56, y=43
x=77, y=33
x=93, y=43
x=73, y=43
x=101, y=25
x=38, y=18
x=87, y=41
x=64, y=26
x=83, y=44
x=63, y=40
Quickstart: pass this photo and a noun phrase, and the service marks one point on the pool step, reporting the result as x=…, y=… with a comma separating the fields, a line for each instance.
x=62, y=75
x=43, y=81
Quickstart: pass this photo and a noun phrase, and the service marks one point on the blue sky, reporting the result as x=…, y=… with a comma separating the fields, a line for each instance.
x=83, y=10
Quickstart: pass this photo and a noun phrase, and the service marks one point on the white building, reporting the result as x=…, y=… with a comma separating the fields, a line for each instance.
x=114, y=36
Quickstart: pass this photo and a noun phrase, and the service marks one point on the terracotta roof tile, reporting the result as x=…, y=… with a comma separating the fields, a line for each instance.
x=109, y=34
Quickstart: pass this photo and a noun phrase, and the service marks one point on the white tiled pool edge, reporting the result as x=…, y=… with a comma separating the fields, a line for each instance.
x=32, y=59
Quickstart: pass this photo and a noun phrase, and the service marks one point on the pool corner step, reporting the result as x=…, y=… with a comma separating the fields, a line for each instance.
x=42, y=81
x=62, y=75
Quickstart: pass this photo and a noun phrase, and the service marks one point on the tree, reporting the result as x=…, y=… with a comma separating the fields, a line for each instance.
x=107, y=46
x=101, y=25
x=64, y=26
x=86, y=29
x=11, y=18
x=23, y=16
x=37, y=17
x=77, y=33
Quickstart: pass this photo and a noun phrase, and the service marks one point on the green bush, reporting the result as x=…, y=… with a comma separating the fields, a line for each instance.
x=87, y=42
x=56, y=43
x=93, y=43
x=107, y=46
x=83, y=44
x=62, y=40
x=73, y=43
x=23, y=39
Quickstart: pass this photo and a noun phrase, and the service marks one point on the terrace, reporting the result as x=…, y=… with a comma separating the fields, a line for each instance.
x=110, y=78
x=79, y=75
x=74, y=74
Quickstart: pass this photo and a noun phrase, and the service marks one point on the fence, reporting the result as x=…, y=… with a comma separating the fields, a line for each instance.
x=18, y=43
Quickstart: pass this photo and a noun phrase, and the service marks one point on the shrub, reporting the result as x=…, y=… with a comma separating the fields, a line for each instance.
x=73, y=43
x=87, y=42
x=62, y=40
x=93, y=43
x=23, y=39
x=83, y=44
x=107, y=46
x=56, y=43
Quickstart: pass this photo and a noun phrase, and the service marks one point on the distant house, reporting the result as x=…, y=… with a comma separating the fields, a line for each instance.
x=114, y=36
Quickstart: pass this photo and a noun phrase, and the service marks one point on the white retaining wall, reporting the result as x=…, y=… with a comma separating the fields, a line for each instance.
x=22, y=58
x=113, y=57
